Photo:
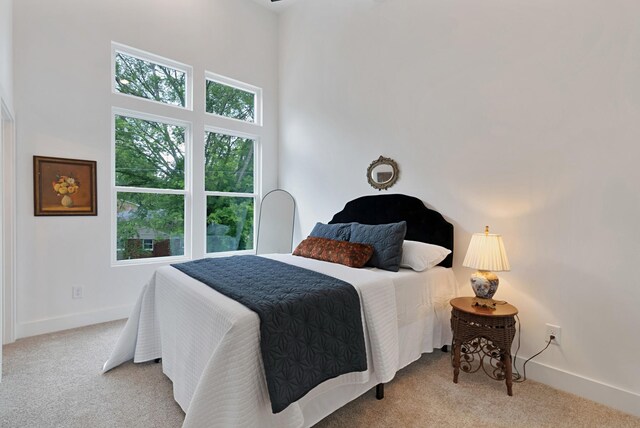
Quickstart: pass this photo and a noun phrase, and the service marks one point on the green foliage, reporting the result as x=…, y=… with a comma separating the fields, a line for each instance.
x=152, y=155
x=149, y=154
x=149, y=80
x=229, y=163
x=230, y=102
x=151, y=216
x=229, y=223
x=229, y=167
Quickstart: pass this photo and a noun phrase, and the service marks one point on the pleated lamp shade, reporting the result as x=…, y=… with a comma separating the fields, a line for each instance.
x=486, y=252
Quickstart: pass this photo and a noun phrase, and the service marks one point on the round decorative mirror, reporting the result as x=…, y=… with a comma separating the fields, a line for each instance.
x=382, y=173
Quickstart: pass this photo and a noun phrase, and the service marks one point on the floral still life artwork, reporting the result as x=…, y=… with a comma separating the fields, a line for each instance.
x=64, y=186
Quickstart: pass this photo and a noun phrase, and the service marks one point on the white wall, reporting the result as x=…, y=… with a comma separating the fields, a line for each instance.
x=6, y=52
x=521, y=115
x=63, y=100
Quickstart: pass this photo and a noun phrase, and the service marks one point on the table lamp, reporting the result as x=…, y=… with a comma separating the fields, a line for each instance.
x=487, y=254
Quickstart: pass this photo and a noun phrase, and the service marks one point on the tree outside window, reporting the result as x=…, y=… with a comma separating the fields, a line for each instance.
x=229, y=169
x=151, y=156
x=150, y=183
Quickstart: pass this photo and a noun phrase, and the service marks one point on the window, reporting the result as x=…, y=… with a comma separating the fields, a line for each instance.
x=143, y=75
x=230, y=191
x=150, y=186
x=232, y=99
x=147, y=244
x=159, y=212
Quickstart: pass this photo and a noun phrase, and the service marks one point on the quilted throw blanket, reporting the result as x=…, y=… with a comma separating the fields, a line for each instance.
x=310, y=323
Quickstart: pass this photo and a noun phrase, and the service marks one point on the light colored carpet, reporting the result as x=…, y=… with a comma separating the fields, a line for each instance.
x=55, y=380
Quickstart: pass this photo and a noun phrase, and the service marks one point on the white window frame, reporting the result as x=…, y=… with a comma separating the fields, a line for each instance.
x=186, y=192
x=144, y=242
x=146, y=56
x=196, y=123
x=227, y=81
x=257, y=161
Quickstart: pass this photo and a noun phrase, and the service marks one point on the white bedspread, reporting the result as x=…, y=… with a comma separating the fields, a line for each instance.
x=209, y=345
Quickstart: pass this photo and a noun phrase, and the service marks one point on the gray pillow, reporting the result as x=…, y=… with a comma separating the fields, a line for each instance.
x=338, y=231
x=387, y=242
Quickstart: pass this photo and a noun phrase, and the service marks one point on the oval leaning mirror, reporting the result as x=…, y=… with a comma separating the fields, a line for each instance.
x=275, y=224
x=382, y=173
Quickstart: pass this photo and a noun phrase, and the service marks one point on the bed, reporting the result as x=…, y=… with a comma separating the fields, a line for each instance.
x=210, y=344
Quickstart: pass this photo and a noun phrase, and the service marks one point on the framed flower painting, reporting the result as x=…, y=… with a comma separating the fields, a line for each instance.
x=64, y=186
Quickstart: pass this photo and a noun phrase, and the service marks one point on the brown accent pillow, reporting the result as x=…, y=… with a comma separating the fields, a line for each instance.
x=330, y=250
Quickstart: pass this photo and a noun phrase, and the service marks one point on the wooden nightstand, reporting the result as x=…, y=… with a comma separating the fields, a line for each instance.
x=481, y=334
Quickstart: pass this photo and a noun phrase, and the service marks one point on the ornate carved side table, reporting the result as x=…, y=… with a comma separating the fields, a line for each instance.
x=482, y=339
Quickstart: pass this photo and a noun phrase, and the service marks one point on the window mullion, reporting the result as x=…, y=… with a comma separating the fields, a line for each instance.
x=127, y=189
x=198, y=204
x=230, y=194
x=154, y=146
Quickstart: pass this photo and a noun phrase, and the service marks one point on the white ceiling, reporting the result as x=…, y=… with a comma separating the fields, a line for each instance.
x=277, y=6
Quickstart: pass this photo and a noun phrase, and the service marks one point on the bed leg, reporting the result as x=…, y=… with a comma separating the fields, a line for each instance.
x=380, y=391
x=445, y=348
x=157, y=360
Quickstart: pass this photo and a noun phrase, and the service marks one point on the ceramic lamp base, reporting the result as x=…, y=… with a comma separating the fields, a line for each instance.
x=483, y=303
x=485, y=285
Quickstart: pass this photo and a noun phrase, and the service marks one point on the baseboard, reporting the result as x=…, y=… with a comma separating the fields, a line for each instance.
x=50, y=325
x=626, y=401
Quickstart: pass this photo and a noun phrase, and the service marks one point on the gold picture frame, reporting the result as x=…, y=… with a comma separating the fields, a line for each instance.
x=63, y=187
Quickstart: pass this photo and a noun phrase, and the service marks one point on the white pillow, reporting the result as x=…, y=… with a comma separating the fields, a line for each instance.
x=420, y=256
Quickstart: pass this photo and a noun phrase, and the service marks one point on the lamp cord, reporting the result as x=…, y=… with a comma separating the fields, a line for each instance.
x=516, y=376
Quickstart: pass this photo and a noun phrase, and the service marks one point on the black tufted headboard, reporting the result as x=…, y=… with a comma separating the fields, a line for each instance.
x=423, y=224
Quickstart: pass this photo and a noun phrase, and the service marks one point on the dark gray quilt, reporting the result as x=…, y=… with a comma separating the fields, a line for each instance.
x=310, y=323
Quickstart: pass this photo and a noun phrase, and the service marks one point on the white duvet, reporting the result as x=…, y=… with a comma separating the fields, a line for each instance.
x=209, y=345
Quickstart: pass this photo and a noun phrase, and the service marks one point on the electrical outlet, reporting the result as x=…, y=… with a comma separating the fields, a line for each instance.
x=556, y=332
x=76, y=292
